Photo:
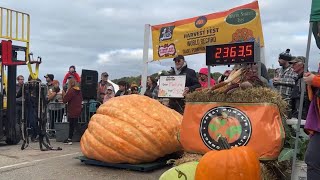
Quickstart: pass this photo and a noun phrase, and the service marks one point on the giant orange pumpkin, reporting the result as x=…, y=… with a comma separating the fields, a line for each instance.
x=131, y=129
x=239, y=163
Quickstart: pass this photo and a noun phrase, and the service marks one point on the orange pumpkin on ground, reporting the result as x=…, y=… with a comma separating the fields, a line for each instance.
x=131, y=129
x=239, y=163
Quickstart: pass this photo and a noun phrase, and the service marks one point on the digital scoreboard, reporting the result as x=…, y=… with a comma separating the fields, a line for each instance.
x=234, y=53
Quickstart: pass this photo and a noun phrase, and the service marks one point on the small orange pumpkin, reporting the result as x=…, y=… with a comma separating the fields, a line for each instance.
x=131, y=129
x=240, y=163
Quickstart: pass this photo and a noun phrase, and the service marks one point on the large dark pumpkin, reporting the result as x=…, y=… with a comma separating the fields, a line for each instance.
x=131, y=129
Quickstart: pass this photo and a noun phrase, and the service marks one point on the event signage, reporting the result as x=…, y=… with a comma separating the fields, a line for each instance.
x=191, y=36
x=234, y=53
x=172, y=86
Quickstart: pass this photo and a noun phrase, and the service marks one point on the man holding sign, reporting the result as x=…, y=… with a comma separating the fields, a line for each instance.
x=191, y=84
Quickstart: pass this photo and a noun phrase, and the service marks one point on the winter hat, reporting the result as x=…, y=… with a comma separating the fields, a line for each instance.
x=73, y=67
x=285, y=55
x=204, y=71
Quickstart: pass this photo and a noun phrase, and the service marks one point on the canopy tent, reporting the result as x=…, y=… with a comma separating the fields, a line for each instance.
x=315, y=18
x=315, y=11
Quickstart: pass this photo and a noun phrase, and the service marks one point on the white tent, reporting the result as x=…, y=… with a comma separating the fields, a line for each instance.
x=116, y=87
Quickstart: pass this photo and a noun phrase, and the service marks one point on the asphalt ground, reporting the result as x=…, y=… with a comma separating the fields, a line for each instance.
x=34, y=164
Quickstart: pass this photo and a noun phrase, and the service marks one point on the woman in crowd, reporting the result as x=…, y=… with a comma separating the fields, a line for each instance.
x=73, y=97
x=152, y=88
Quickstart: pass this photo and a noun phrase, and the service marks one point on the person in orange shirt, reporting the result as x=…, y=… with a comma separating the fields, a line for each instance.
x=312, y=126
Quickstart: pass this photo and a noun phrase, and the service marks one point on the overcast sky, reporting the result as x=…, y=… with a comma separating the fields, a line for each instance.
x=107, y=35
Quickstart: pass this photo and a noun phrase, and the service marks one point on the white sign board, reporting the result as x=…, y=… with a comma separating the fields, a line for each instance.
x=172, y=86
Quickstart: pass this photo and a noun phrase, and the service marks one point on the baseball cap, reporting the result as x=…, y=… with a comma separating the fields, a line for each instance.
x=71, y=76
x=298, y=59
x=105, y=74
x=178, y=57
x=50, y=76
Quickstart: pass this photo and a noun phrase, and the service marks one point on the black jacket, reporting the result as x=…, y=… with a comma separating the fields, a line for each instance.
x=191, y=77
x=191, y=82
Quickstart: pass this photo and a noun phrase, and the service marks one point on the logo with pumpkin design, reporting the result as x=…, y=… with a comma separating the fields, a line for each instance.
x=226, y=121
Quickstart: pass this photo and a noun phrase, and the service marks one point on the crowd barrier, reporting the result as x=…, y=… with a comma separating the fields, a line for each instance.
x=58, y=117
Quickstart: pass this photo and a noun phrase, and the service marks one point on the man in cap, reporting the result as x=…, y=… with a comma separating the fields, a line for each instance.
x=191, y=84
x=49, y=79
x=102, y=86
x=285, y=78
x=298, y=67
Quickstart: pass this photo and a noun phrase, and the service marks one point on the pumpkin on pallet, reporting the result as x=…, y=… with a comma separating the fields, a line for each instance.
x=131, y=129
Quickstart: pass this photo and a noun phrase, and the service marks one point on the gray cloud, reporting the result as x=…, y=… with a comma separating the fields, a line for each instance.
x=108, y=35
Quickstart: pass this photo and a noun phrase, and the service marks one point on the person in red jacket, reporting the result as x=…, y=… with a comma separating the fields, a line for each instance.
x=71, y=72
x=203, y=80
x=73, y=97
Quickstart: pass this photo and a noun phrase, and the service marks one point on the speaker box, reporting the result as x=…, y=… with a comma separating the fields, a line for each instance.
x=89, y=84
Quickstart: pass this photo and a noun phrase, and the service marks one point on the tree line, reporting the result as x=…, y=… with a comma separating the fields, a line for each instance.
x=215, y=76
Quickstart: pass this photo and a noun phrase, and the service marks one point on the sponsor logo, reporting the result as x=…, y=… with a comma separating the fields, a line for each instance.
x=166, y=50
x=229, y=122
x=241, y=17
x=166, y=33
x=200, y=22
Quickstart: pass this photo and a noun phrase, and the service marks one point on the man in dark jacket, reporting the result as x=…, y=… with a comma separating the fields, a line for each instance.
x=192, y=82
x=20, y=82
x=298, y=67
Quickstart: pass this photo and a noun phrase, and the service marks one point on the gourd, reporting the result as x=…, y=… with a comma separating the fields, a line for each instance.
x=240, y=163
x=131, y=129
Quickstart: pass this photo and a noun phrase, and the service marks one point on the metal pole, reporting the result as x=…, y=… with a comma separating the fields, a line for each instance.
x=145, y=58
x=209, y=76
x=303, y=88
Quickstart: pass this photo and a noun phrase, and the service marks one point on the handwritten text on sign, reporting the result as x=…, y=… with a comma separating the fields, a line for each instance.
x=172, y=86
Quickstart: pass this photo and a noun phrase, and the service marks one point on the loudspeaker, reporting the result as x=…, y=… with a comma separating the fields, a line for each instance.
x=89, y=84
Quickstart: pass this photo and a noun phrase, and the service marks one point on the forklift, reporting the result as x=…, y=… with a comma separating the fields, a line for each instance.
x=14, y=51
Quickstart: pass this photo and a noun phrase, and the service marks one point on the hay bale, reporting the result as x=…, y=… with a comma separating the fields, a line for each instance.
x=187, y=157
x=249, y=95
x=270, y=170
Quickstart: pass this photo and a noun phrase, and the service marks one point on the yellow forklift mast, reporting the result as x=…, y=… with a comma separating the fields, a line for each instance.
x=15, y=39
x=4, y=82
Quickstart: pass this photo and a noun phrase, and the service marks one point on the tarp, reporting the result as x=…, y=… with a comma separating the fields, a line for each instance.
x=191, y=36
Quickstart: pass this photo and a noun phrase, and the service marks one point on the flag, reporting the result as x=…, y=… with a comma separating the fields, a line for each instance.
x=315, y=18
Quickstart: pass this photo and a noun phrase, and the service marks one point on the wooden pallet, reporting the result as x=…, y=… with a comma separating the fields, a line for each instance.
x=145, y=167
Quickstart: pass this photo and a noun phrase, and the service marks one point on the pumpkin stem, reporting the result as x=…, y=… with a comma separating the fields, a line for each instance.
x=223, y=143
x=180, y=174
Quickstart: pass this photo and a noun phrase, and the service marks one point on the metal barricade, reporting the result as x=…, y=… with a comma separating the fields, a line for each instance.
x=57, y=113
x=89, y=108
